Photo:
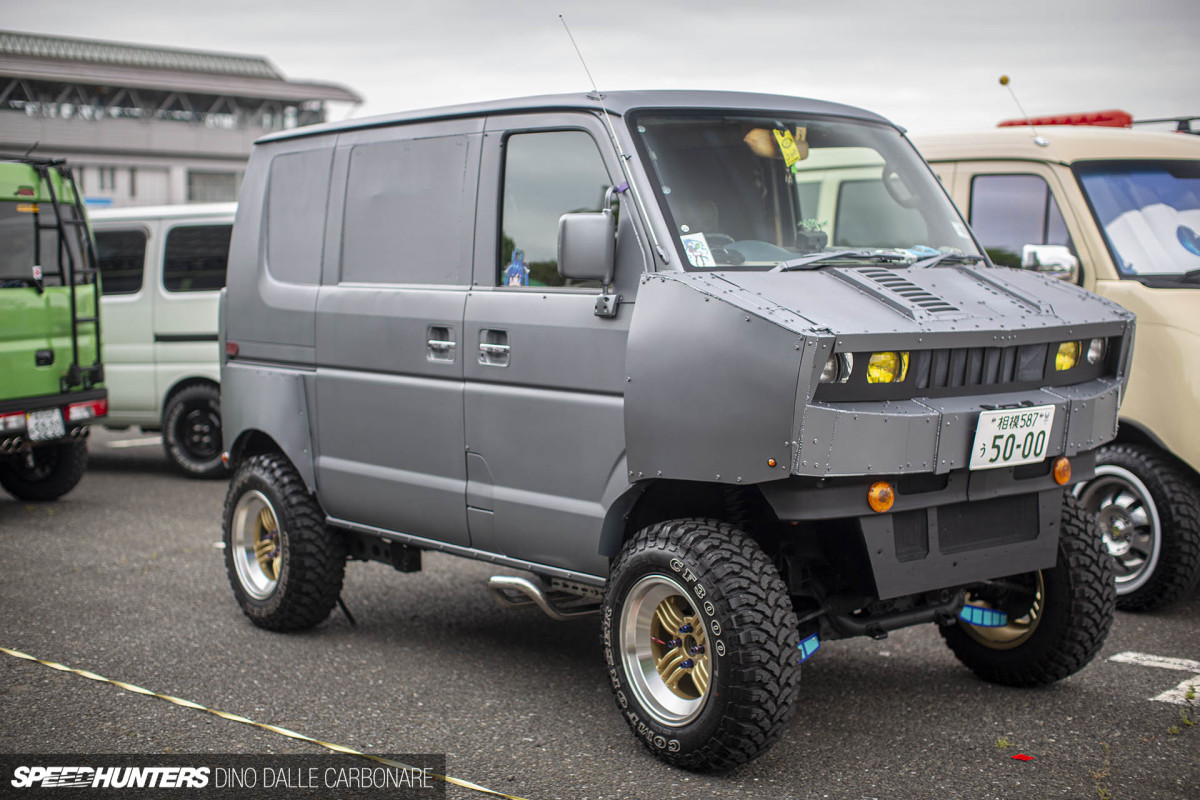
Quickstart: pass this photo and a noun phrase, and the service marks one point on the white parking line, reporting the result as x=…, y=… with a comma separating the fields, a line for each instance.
x=1178, y=695
x=122, y=443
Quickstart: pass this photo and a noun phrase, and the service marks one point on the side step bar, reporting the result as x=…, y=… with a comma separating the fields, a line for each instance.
x=510, y=592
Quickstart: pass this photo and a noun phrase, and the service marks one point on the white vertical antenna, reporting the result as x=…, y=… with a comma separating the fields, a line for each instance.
x=1038, y=139
x=612, y=133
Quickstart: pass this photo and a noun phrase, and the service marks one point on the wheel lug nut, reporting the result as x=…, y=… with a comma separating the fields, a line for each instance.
x=696, y=650
x=686, y=628
x=688, y=664
x=674, y=642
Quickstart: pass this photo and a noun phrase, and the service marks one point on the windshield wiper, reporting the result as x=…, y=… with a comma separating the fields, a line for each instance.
x=953, y=258
x=1192, y=276
x=816, y=260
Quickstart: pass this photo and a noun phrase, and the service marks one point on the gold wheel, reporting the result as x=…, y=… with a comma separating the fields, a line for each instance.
x=258, y=546
x=1018, y=630
x=664, y=650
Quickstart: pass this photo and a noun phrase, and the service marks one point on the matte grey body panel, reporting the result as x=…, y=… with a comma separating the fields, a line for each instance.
x=711, y=394
x=275, y=401
x=389, y=418
x=271, y=319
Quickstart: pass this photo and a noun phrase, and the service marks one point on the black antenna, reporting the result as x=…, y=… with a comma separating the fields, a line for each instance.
x=32, y=147
x=612, y=133
x=1038, y=139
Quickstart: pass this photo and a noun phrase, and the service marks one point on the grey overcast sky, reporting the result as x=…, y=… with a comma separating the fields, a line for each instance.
x=930, y=65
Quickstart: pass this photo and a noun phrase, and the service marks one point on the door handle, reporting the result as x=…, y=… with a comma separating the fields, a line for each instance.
x=440, y=347
x=437, y=344
x=493, y=348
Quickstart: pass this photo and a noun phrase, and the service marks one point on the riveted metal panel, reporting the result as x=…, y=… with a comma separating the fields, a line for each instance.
x=711, y=391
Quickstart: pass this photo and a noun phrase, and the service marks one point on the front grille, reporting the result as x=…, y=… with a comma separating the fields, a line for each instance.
x=978, y=366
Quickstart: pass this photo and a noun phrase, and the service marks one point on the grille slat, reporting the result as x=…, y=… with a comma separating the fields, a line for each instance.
x=977, y=366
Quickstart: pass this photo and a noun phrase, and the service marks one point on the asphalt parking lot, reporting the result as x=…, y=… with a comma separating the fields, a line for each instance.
x=124, y=578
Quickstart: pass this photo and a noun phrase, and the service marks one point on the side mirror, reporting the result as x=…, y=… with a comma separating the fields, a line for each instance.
x=1054, y=260
x=587, y=246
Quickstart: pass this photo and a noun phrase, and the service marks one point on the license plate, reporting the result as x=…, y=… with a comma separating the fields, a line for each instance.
x=1011, y=436
x=42, y=426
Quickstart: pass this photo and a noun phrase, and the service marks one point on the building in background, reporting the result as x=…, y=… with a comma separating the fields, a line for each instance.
x=148, y=125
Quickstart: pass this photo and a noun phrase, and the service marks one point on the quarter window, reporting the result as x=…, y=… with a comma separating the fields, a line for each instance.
x=122, y=260
x=1011, y=211
x=195, y=258
x=546, y=175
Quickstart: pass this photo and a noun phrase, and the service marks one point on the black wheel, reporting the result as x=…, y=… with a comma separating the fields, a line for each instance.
x=47, y=472
x=284, y=563
x=1148, y=508
x=700, y=640
x=1057, y=618
x=192, y=430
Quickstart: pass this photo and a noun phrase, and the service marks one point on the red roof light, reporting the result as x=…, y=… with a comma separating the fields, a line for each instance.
x=1106, y=119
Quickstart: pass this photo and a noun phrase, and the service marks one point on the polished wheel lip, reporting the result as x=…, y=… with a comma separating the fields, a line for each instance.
x=1110, y=496
x=1018, y=630
x=257, y=552
x=645, y=661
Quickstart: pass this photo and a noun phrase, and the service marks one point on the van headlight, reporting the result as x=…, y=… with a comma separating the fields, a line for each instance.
x=837, y=368
x=1096, y=350
x=1067, y=356
x=889, y=367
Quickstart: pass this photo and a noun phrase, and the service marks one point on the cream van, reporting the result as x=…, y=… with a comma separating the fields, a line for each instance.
x=162, y=270
x=1118, y=212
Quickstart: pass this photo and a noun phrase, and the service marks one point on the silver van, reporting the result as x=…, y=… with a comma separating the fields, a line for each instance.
x=162, y=269
x=626, y=345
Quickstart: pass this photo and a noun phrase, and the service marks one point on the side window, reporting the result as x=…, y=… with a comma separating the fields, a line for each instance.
x=1011, y=211
x=122, y=260
x=546, y=175
x=195, y=257
x=299, y=183
x=409, y=209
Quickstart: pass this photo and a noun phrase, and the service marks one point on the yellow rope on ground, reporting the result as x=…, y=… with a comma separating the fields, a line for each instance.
x=337, y=748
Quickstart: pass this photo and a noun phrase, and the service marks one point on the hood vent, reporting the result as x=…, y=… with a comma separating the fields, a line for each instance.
x=896, y=284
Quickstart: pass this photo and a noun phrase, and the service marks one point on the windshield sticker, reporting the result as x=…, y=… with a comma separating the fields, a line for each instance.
x=516, y=273
x=697, y=249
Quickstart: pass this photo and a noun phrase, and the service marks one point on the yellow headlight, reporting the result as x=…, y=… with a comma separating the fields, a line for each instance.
x=1068, y=355
x=887, y=367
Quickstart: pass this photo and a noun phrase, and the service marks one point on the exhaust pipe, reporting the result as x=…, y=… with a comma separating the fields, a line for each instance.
x=513, y=592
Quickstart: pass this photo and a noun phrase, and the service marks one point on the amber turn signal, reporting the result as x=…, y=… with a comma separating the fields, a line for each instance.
x=881, y=496
x=1062, y=471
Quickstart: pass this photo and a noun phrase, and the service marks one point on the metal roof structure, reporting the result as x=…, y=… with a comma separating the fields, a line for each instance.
x=38, y=57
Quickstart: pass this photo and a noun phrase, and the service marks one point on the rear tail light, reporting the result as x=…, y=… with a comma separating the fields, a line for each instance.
x=12, y=422
x=91, y=409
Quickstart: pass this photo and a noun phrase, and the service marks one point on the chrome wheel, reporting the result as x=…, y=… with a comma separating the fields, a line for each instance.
x=257, y=549
x=664, y=651
x=1018, y=630
x=1128, y=520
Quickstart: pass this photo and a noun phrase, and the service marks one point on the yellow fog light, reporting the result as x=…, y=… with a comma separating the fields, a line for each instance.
x=887, y=367
x=1068, y=355
x=880, y=496
x=1062, y=471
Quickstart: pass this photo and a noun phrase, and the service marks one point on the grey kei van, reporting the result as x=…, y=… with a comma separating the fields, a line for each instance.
x=728, y=369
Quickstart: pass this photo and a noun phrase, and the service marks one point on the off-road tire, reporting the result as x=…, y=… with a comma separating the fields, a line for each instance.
x=751, y=635
x=1175, y=496
x=1077, y=613
x=313, y=557
x=191, y=431
x=57, y=469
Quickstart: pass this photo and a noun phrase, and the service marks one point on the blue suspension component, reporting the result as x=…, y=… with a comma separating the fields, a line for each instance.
x=983, y=617
x=807, y=647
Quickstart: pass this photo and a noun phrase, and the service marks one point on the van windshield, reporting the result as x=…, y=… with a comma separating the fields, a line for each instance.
x=752, y=192
x=1149, y=212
